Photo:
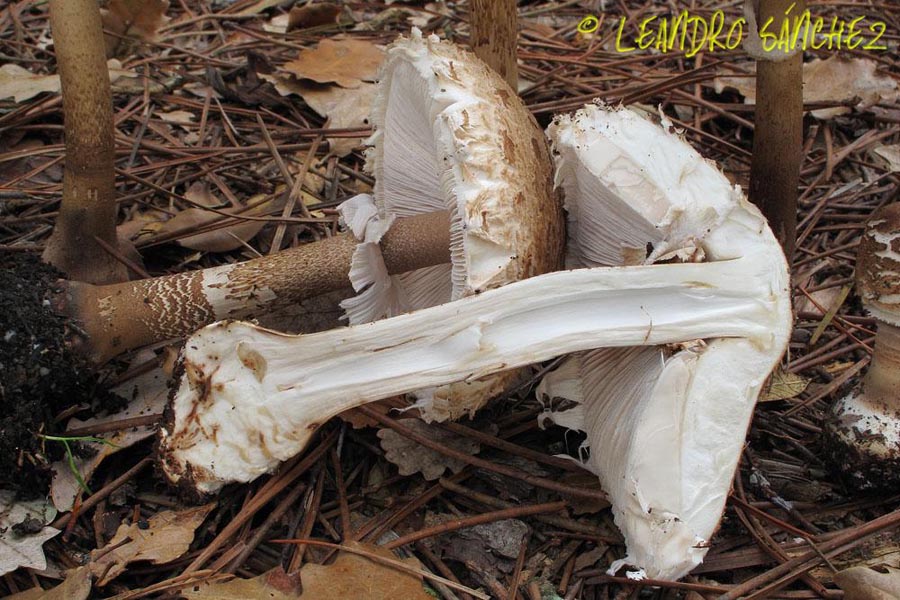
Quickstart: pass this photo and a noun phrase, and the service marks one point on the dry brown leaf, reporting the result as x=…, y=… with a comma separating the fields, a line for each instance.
x=222, y=239
x=835, y=79
x=76, y=586
x=353, y=576
x=271, y=585
x=890, y=156
x=783, y=385
x=21, y=84
x=345, y=108
x=132, y=20
x=863, y=583
x=163, y=538
x=345, y=62
x=410, y=457
x=313, y=15
x=24, y=549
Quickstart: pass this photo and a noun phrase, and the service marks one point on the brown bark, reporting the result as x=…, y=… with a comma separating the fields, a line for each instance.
x=120, y=317
x=88, y=207
x=493, y=36
x=778, y=135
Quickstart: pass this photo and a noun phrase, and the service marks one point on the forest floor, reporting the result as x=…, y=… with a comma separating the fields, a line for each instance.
x=209, y=112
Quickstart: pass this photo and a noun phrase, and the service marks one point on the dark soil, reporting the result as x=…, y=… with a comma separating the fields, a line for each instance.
x=39, y=375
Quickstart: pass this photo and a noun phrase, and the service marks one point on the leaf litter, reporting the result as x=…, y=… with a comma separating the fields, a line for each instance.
x=203, y=69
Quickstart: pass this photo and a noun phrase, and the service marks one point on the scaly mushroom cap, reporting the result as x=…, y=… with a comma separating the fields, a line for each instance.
x=862, y=437
x=665, y=424
x=450, y=135
x=878, y=265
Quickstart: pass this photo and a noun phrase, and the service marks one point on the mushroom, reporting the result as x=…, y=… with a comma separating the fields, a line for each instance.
x=665, y=424
x=451, y=140
x=863, y=433
x=451, y=136
x=247, y=398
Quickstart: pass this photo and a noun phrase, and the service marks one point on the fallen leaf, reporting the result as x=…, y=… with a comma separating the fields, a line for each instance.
x=76, y=586
x=179, y=117
x=345, y=62
x=355, y=576
x=147, y=395
x=344, y=108
x=162, y=538
x=586, y=560
x=503, y=538
x=271, y=585
x=313, y=15
x=221, y=239
x=129, y=21
x=783, y=385
x=277, y=24
x=835, y=79
x=410, y=457
x=26, y=549
x=21, y=84
x=863, y=583
x=890, y=155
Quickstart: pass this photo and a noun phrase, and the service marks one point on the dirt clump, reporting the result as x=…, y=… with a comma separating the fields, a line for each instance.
x=39, y=374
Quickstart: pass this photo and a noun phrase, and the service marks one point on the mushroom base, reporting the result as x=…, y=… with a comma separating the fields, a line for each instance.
x=862, y=443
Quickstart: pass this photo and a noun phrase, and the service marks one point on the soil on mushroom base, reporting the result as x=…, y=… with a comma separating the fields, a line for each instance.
x=39, y=376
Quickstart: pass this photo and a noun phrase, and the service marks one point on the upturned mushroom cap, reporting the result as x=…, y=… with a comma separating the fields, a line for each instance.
x=863, y=434
x=665, y=424
x=450, y=135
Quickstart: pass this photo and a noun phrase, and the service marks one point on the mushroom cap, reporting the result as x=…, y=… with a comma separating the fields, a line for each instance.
x=665, y=424
x=878, y=265
x=451, y=135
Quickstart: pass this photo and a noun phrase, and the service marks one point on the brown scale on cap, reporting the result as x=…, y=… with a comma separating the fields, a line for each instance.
x=863, y=434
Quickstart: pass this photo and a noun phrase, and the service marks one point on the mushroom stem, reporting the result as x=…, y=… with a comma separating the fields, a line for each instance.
x=882, y=382
x=265, y=393
x=494, y=30
x=778, y=133
x=862, y=437
x=119, y=317
x=87, y=212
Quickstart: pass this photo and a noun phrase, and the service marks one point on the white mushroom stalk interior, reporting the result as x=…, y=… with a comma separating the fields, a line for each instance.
x=665, y=424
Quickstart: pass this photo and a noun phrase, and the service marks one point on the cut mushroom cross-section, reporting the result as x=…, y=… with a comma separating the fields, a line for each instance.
x=665, y=425
x=264, y=393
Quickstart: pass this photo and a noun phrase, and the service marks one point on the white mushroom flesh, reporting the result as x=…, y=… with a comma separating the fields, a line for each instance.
x=665, y=426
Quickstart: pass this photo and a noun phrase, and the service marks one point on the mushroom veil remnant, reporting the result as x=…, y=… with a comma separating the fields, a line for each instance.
x=665, y=424
x=863, y=436
x=451, y=136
